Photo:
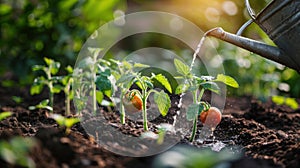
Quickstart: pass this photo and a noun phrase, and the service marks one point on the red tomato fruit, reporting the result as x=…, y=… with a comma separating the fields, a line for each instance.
x=132, y=102
x=211, y=117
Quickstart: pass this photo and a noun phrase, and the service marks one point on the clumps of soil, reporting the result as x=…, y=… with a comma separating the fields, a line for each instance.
x=268, y=135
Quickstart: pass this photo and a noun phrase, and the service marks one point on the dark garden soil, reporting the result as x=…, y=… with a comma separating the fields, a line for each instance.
x=268, y=134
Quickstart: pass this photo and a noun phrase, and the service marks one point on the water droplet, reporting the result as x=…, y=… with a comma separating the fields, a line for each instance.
x=218, y=146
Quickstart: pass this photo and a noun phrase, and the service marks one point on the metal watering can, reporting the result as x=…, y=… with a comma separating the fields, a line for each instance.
x=280, y=20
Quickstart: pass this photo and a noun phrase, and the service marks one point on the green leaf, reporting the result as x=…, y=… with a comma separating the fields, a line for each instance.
x=182, y=88
x=116, y=74
x=181, y=67
x=106, y=73
x=126, y=65
x=125, y=78
x=42, y=105
x=5, y=114
x=279, y=100
x=138, y=83
x=56, y=88
x=227, y=80
x=44, y=102
x=163, y=102
x=69, y=69
x=192, y=112
x=139, y=65
x=103, y=83
x=108, y=93
x=31, y=107
x=193, y=88
x=164, y=81
x=291, y=102
x=69, y=122
x=103, y=62
x=99, y=96
x=48, y=61
x=149, y=84
x=65, y=80
x=212, y=86
x=38, y=67
x=17, y=99
x=36, y=88
x=94, y=51
x=60, y=120
x=54, y=68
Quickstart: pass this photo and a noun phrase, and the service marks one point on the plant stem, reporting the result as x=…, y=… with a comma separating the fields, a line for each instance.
x=144, y=100
x=50, y=86
x=195, y=119
x=194, y=129
x=122, y=110
x=51, y=97
x=67, y=102
x=67, y=97
x=94, y=98
x=201, y=94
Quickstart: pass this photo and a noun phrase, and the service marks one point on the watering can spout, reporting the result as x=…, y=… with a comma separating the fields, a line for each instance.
x=267, y=51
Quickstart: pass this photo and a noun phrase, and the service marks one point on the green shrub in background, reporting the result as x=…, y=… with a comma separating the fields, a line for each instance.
x=31, y=30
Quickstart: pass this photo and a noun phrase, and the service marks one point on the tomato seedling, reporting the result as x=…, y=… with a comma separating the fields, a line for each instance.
x=124, y=71
x=67, y=81
x=65, y=122
x=133, y=100
x=197, y=85
x=44, y=104
x=92, y=74
x=50, y=69
x=139, y=97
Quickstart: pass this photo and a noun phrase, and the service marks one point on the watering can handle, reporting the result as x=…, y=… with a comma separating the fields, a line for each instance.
x=250, y=10
x=252, y=15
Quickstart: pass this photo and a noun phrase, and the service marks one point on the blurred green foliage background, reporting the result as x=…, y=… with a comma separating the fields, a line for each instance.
x=33, y=29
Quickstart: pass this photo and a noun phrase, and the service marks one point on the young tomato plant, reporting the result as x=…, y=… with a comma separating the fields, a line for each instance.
x=138, y=97
x=67, y=81
x=124, y=71
x=93, y=73
x=197, y=85
x=50, y=69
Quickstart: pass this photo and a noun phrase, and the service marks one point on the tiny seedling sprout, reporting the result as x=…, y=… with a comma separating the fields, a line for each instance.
x=44, y=104
x=67, y=82
x=65, y=122
x=51, y=68
x=5, y=114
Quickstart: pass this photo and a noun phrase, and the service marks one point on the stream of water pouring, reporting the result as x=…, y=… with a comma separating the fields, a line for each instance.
x=197, y=51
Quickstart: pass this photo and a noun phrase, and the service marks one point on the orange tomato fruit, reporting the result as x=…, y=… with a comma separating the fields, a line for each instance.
x=211, y=118
x=132, y=102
